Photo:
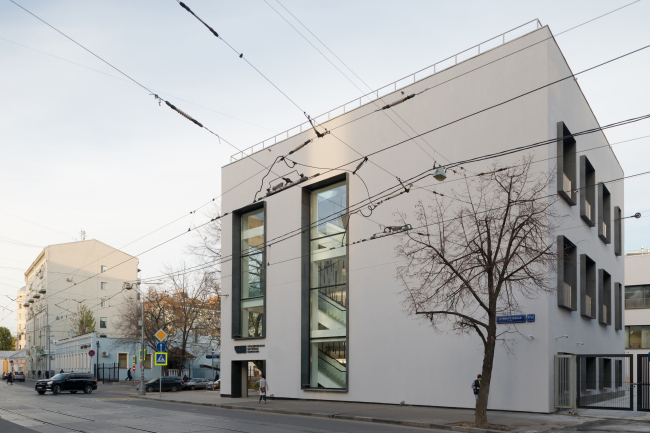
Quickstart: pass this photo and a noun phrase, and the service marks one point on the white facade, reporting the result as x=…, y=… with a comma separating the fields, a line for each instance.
x=61, y=279
x=391, y=357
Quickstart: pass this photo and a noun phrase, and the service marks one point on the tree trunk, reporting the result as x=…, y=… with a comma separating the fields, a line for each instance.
x=488, y=362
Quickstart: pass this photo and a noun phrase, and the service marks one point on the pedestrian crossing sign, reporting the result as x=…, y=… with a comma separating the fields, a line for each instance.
x=161, y=358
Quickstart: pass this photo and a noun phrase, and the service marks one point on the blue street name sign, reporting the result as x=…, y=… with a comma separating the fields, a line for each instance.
x=212, y=356
x=517, y=318
x=161, y=347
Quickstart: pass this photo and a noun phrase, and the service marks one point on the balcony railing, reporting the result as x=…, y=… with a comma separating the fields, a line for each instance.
x=631, y=304
x=508, y=36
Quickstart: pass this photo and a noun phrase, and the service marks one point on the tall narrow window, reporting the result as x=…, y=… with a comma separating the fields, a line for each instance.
x=328, y=289
x=566, y=164
x=103, y=321
x=103, y=285
x=587, y=287
x=567, y=274
x=604, y=297
x=618, y=306
x=252, y=268
x=604, y=213
x=588, y=193
x=103, y=268
x=618, y=234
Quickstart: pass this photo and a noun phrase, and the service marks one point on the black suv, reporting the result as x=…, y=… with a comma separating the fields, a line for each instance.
x=72, y=382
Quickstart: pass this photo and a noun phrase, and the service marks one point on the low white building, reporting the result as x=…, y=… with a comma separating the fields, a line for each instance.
x=326, y=321
x=112, y=356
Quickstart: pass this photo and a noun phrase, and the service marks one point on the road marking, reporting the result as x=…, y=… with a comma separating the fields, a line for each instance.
x=114, y=399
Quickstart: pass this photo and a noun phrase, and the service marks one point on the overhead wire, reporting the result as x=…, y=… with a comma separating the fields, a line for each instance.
x=420, y=134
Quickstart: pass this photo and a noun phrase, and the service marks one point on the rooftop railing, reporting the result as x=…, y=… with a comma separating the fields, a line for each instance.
x=440, y=66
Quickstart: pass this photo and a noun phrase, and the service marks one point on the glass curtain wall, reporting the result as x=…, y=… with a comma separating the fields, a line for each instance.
x=252, y=266
x=328, y=288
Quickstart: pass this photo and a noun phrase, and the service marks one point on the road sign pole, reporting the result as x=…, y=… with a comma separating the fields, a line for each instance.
x=160, y=384
x=142, y=390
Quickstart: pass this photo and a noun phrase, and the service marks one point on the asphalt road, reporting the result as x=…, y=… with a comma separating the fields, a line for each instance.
x=110, y=409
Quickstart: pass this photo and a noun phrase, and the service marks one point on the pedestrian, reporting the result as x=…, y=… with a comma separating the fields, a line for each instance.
x=185, y=378
x=10, y=379
x=264, y=386
x=39, y=374
x=61, y=371
x=128, y=374
x=47, y=374
x=476, y=386
x=33, y=374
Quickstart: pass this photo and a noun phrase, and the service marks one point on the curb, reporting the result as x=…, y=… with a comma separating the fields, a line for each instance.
x=335, y=416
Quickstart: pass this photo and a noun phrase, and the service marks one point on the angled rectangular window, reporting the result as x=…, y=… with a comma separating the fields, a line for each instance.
x=248, y=271
x=604, y=213
x=103, y=269
x=566, y=164
x=587, y=287
x=604, y=297
x=103, y=285
x=618, y=306
x=637, y=297
x=325, y=288
x=567, y=274
x=103, y=321
x=618, y=234
x=588, y=192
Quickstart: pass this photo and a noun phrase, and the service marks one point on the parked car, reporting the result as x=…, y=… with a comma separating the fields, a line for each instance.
x=5, y=376
x=19, y=376
x=214, y=385
x=72, y=382
x=196, y=383
x=169, y=383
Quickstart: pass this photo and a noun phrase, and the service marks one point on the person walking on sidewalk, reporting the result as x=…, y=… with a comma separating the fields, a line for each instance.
x=128, y=374
x=10, y=378
x=33, y=374
x=264, y=387
x=476, y=386
x=39, y=374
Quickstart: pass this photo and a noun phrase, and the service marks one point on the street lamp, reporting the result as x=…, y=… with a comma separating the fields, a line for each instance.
x=129, y=286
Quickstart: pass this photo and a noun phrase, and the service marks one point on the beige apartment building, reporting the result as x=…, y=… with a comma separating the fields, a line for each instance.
x=21, y=318
x=62, y=279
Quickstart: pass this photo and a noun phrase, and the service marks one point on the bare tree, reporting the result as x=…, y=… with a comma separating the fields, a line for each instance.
x=129, y=332
x=206, y=243
x=190, y=305
x=482, y=250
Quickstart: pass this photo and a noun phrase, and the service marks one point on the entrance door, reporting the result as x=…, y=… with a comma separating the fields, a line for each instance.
x=239, y=376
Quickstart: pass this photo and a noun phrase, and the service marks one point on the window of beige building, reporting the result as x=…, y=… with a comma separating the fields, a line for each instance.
x=104, y=285
x=103, y=269
x=121, y=360
x=103, y=322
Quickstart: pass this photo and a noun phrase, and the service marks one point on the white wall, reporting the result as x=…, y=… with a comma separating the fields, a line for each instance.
x=393, y=357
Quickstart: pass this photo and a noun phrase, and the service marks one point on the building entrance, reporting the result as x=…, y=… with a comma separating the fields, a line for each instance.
x=245, y=378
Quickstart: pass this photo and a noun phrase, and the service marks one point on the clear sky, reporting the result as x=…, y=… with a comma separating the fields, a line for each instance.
x=81, y=147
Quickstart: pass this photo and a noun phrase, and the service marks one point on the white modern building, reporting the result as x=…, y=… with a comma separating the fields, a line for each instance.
x=21, y=318
x=62, y=279
x=327, y=322
x=637, y=303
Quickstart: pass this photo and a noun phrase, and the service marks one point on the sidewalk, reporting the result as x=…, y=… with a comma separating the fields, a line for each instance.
x=413, y=416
